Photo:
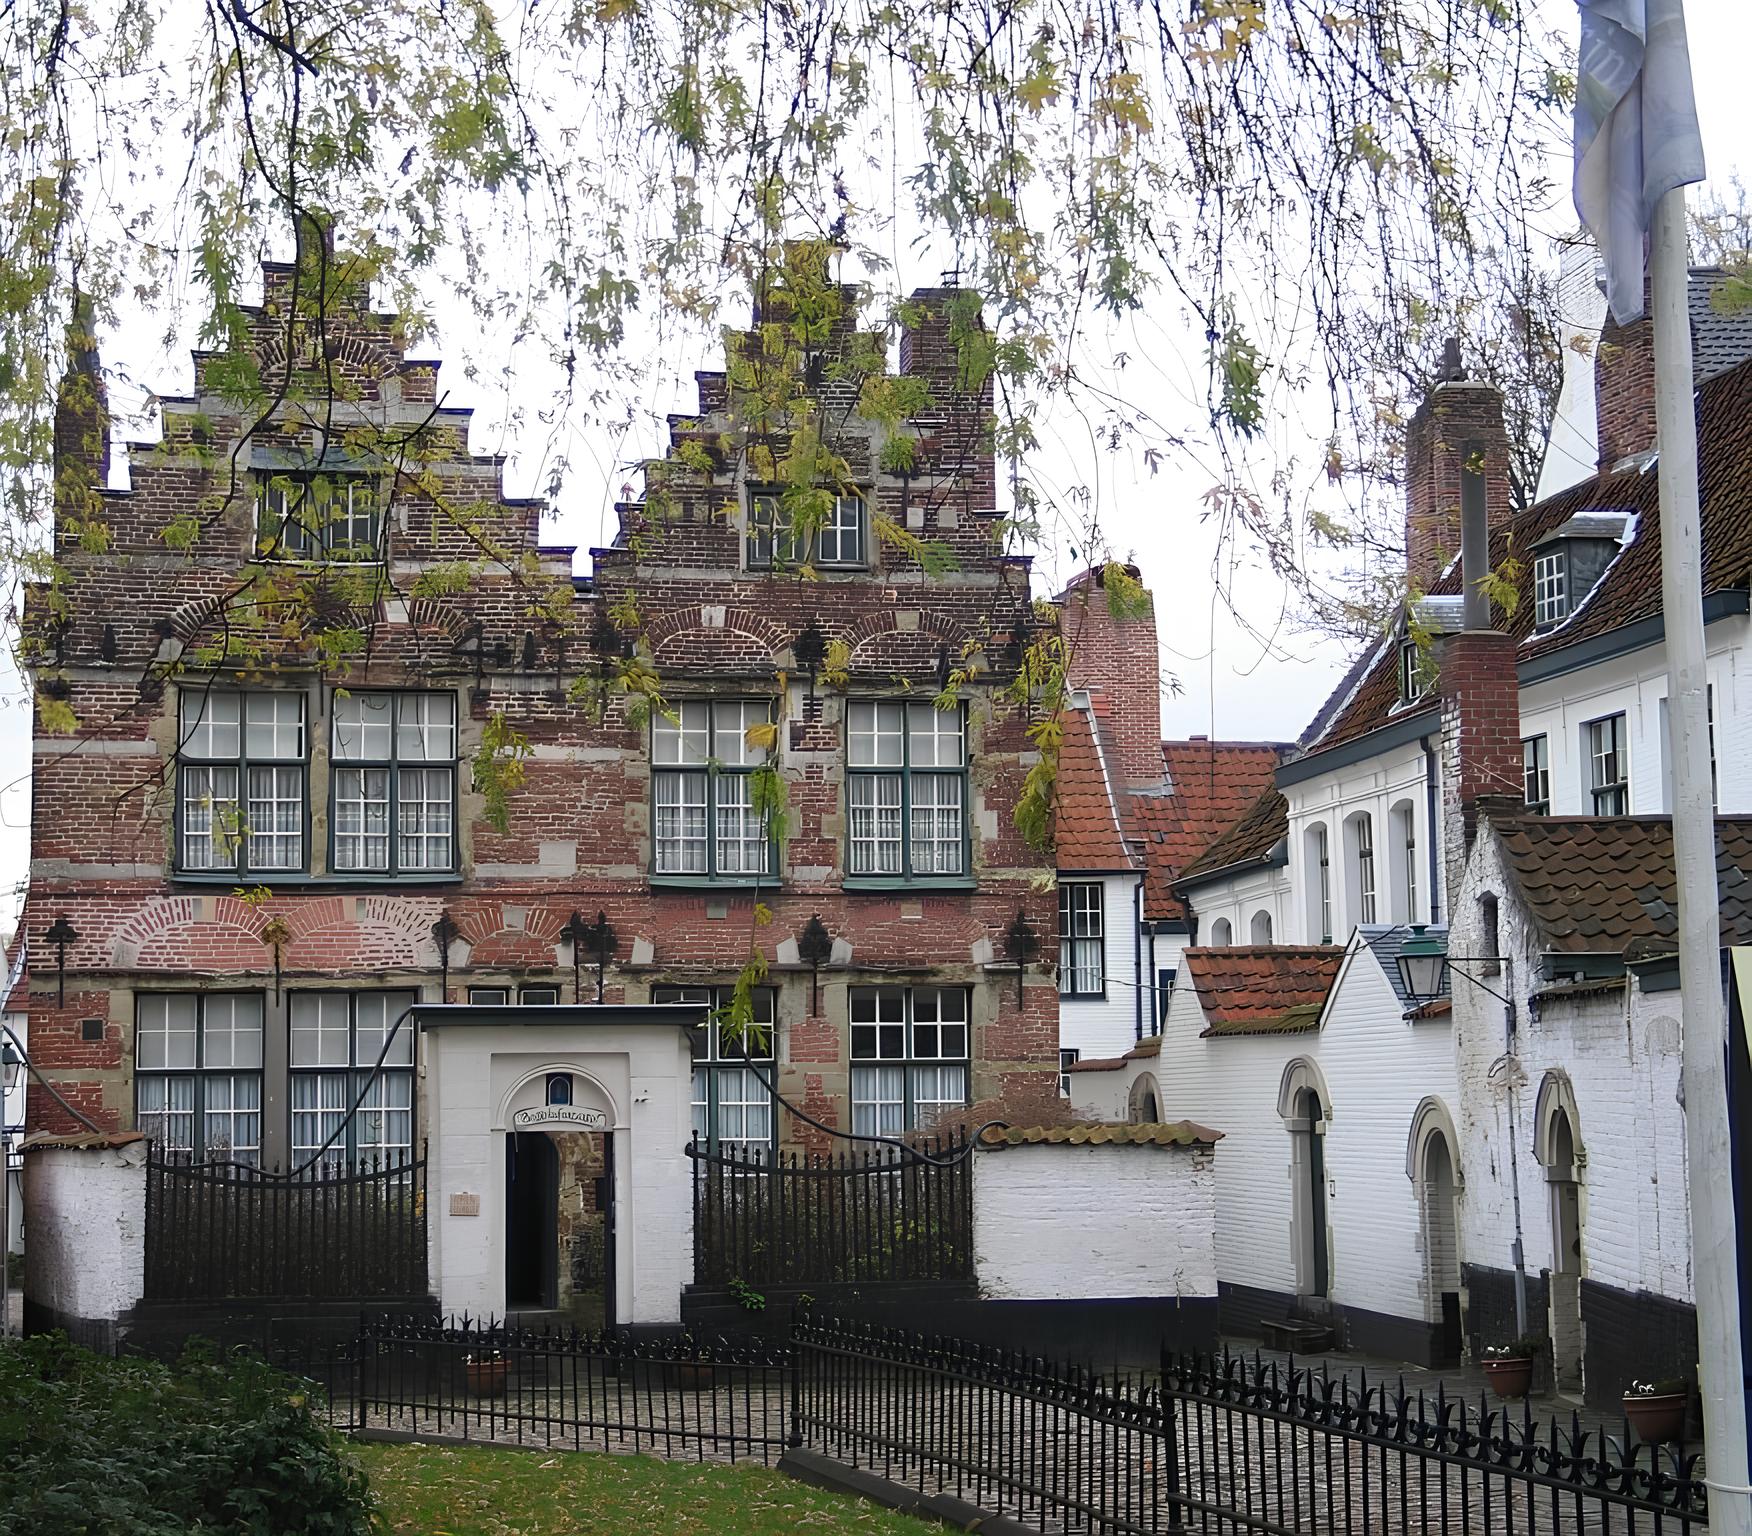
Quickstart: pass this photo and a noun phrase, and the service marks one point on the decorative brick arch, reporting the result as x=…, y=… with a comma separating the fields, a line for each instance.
x=879, y=645
x=173, y=934
x=493, y=943
x=373, y=931
x=691, y=635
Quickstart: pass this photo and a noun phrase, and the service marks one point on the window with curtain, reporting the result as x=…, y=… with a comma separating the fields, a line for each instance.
x=906, y=786
x=1608, y=766
x=1082, y=971
x=240, y=781
x=1536, y=774
x=393, y=783
x=731, y=1105
x=312, y=516
x=909, y=1056
x=337, y=1038
x=198, y=1074
x=704, y=820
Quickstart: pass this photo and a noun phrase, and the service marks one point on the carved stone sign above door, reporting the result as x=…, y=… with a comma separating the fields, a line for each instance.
x=569, y=1117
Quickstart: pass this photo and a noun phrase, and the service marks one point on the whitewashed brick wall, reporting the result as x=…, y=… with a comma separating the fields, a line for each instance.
x=85, y=1229
x=1061, y=1222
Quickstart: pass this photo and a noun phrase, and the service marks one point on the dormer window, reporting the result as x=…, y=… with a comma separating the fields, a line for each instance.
x=312, y=516
x=838, y=544
x=1550, y=588
x=1417, y=671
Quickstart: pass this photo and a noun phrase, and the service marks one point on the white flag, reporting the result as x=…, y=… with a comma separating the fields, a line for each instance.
x=1636, y=131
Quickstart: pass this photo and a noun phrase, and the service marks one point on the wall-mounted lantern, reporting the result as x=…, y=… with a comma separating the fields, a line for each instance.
x=596, y=939
x=61, y=933
x=1021, y=944
x=810, y=649
x=443, y=931
x=815, y=949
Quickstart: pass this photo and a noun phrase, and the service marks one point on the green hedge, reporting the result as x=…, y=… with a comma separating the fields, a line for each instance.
x=103, y=1447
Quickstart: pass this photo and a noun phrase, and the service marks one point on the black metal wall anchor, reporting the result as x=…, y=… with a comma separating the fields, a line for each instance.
x=810, y=651
x=443, y=931
x=1021, y=944
x=815, y=948
x=61, y=933
x=598, y=939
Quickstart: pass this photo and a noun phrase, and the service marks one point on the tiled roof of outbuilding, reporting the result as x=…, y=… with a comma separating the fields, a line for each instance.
x=1263, y=989
x=1605, y=885
x=1210, y=785
x=1630, y=588
x=1252, y=838
x=1179, y=1133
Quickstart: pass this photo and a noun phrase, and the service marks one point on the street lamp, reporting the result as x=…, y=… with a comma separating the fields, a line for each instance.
x=1423, y=964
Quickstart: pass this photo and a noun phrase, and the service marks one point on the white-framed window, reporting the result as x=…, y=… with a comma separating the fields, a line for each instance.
x=1082, y=968
x=1067, y=1059
x=1536, y=774
x=1417, y=671
x=336, y=1039
x=704, y=820
x=906, y=786
x=1405, y=846
x=1365, y=854
x=1550, y=588
x=198, y=1074
x=1323, y=884
x=393, y=783
x=909, y=1056
x=841, y=540
x=1608, y=766
x=229, y=741
x=305, y=515
x=731, y=1103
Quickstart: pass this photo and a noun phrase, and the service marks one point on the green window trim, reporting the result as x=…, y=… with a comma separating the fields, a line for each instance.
x=216, y=785
x=702, y=795
x=870, y=805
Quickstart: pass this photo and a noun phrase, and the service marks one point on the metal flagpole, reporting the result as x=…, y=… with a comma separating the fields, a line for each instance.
x=1715, y=1260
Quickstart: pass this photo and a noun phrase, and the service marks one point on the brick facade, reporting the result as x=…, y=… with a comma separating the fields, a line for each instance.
x=1454, y=414
x=1624, y=391
x=137, y=624
x=1115, y=657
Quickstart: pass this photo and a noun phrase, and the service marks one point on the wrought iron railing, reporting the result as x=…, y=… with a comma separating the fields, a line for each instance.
x=230, y=1231
x=766, y=1218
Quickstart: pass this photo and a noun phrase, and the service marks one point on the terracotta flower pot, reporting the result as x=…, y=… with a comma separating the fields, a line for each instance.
x=1657, y=1419
x=486, y=1378
x=1510, y=1378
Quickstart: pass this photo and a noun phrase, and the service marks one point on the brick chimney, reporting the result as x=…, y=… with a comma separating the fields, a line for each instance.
x=82, y=446
x=1115, y=657
x=1457, y=412
x=1624, y=391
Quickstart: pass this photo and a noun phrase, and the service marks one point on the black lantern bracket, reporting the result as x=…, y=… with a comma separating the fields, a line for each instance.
x=61, y=933
x=596, y=939
x=444, y=931
x=1021, y=944
x=815, y=949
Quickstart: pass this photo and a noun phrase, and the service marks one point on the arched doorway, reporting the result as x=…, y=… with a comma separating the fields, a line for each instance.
x=1313, y=1194
x=1433, y=1167
x=1145, y=1104
x=532, y=1218
x=1566, y=1254
x=1305, y=1107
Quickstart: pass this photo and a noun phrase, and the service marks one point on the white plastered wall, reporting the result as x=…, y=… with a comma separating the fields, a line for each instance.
x=639, y=1075
x=85, y=1229
x=1107, y=1026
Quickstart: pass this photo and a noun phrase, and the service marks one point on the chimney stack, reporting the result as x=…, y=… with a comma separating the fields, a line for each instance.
x=1457, y=415
x=1114, y=655
x=1624, y=391
x=82, y=445
x=1481, y=695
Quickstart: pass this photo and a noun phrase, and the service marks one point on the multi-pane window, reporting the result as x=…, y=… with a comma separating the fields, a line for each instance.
x=1536, y=774
x=906, y=786
x=1608, y=766
x=1067, y=1059
x=1365, y=826
x=393, y=783
x=731, y=1103
x=1081, y=971
x=909, y=1056
x=702, y=788
x=772, y=541
x=319, y=517
x=1416, y=671
x=337, y=1038
x=1550, y=588
x=198, y=1073
x=1408, y=851
x=240, y=781
x=1323, y=886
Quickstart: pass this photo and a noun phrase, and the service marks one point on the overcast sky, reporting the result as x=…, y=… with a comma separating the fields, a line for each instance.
x=1258, y=677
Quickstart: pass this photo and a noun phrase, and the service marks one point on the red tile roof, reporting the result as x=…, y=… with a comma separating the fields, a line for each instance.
x=1210, y=785
x=1263, y=989
x=1086, y=830
x=1630, y=589
x=1261, y=828
x=1177, y=1133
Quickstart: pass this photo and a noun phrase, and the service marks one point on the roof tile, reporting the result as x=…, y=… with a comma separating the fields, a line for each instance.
x=1086, y=830
x=1179, y=1133
x=1263, y=989
x=1261, y=827
x=1210, y=785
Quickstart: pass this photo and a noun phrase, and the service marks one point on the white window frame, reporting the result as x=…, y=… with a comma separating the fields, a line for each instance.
x=1082, y=939
x=730, y=1101
x=703, y=823
x=214, y=1074
x=1550, y=588
x=385, y=768
x=1323, y=875
x=900, y=1067
x=1068, y=1057
x=1536, y=774
x=232, y=740
x=841, y=543
x=1608, y=747
x=906, y=791
x=334, y=1040
x=317, y=516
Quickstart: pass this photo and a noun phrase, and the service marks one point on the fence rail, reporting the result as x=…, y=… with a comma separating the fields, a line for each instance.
x=768, y=1219
x=1216, y=1446
x=229, y=1231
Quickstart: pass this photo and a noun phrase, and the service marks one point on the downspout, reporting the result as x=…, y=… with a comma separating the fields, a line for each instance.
x=1138, y=953
x=1518, y=1253
x=1431, y=835
x=1155, y=981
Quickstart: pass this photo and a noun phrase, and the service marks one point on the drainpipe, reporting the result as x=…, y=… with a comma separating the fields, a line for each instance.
x=1155, y=1001
x=1432, y=835
x=1517, y=1252
x=1138, y=953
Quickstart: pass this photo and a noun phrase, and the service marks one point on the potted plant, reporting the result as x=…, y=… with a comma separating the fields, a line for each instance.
x=1656, y=1410
x=485, y=1373
x=1509, y=1367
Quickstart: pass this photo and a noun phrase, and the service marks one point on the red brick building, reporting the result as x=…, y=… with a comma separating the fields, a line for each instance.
x=291, y=647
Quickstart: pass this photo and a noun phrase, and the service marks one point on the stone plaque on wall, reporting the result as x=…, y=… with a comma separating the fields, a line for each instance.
x=462, y=1204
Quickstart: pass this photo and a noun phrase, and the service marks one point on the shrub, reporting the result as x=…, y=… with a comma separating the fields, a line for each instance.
x=106, y=1447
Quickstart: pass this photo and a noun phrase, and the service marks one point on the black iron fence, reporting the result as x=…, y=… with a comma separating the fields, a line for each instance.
x=1214, y=1446
x=228, y=1231
x=557, y=1388
x=803, y=1219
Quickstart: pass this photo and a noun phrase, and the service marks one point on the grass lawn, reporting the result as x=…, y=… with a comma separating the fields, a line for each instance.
x=434, y=1490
